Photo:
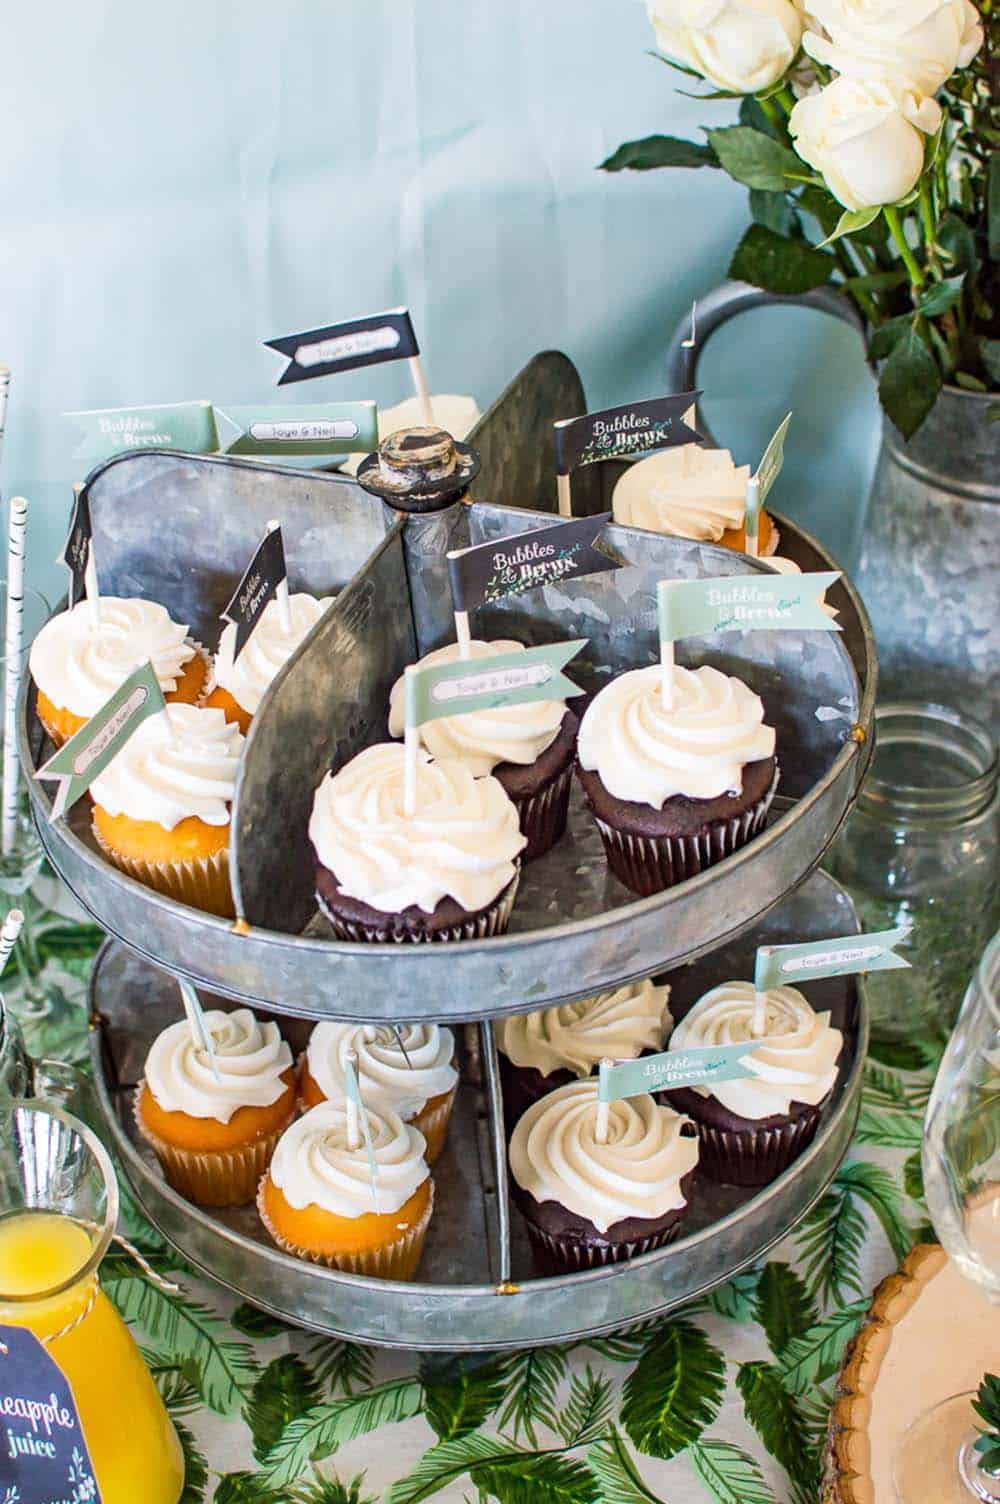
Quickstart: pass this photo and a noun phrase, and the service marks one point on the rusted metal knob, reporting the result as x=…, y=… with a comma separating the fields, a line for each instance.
x=419, y=469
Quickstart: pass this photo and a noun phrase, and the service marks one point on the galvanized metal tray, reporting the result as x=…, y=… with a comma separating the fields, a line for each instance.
x=180, y=528
x=476, y=1286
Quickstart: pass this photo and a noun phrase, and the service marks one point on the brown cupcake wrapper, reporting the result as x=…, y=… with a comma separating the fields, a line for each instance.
x=570, y=1254
x=398, y=1260
x=543, y=814
x=201, y=884
x=434, y=1125
x=648, y=864
x=219, y=1177
x=491, y=921
x=756, y=1157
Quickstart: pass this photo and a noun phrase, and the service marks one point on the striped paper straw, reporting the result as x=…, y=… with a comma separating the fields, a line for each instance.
x=14, y=642
x=4, y=394
x=8, y=935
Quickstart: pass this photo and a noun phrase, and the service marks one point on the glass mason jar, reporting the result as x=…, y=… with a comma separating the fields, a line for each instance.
x=921, y=848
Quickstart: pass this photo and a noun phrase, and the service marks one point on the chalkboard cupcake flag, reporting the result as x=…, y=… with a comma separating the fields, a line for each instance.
x=619, y=432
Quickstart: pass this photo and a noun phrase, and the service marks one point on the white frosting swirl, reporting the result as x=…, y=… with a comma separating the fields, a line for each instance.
x=166, y=773
x=314, y=1166
x=462, y=842
x=483, y=738
x=78, y=663
x=555, y=1156
x=798, y=1062
x=685, y=492
x=618, y=1025
x=250, y=1057
x=268, y=649
x=385, y=1079
x=698, y=748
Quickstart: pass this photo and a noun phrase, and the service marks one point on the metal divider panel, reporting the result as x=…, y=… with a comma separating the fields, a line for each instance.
x=329, y=702
x=806, y=680
x=180, y=529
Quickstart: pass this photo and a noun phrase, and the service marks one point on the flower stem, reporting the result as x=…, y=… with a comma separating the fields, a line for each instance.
x=786, y=99
x=928, y=220
x=909, y=260
x=775, y=116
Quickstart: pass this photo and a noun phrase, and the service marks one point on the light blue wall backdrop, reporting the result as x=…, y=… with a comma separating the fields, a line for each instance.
x=179, y=183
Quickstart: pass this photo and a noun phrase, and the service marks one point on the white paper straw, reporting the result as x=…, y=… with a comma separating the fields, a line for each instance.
x=463, y=634
x=666, y=674
x=603, y=1125
x=411, y=743
x=565, y=496
x=13, y=647
x=8, y=935
x=353, y=1116
x=196, y=1022
x=758, y=1021
x=420, y=387
x=283, y=603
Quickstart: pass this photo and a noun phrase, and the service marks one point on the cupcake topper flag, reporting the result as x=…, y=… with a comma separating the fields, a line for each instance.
x=616, y=432
x=492, y=571
x=75, y=766
x=357, y=1119
x=785, y=965
x=78, y=556
x=733, y=603
x=200, y=1032
x=354, y=343
x=264, y=580
x=13, y=667
x=439, y=690
x=760, y=484
x=670, y=1069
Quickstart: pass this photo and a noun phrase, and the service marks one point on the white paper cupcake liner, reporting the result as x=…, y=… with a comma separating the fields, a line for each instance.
x=218, y=1177
x=396, y=1261
x=434, y=1125
x=201, y=884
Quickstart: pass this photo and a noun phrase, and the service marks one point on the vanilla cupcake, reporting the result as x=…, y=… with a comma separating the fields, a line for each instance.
x=691, y=492
x=529, y=749
x=751, y=1129
x=408, y=1070
x=674, y=791
x=214, y=1132
x=447, y=872
x=317, y=1199
x=78, y=660
x=240, y=685
x=553, y=1046
x=587, y=1203
x=162, y=806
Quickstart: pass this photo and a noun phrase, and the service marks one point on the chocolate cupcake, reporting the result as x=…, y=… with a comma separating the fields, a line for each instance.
x=529, y=749
x=674, y=791
x=554, y=1046
x=751, y=1129
x=447, y=872
x=587, y=1203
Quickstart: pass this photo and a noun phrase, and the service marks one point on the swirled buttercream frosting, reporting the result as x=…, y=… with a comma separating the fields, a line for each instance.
x=250, y=1058
x=384, y=1077
x=555, y=1155
x=698, y=748
x=78, y=662
x=483, y=738
x=462, y=842
x=798, y=1060
x=177, y=764
x=618, y=1025
x=685, y=492
x=314, y=1164
x=268, y=649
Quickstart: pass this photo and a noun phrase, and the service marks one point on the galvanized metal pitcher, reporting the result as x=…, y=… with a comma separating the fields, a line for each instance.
x=930, y=560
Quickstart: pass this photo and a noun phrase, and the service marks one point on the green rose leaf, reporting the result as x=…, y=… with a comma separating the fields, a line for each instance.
x=674, y=1391
x=753, y=114
x=775, y=1416
x=460, y=1393
x=958, y=243
x=851, y=222
x=773, y=211
x=815, y=1356
x=731, y=1475
x=753, y=158
x=941, y=296
x=659, y=151
x=783, y=1305
x=285, y=1390
x=778, y=265
x=993, y=206
x=909, y=385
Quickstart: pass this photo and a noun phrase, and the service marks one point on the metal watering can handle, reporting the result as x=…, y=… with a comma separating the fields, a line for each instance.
x=723, y=304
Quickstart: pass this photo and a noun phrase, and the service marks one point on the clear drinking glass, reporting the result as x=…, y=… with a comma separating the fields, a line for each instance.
x=58, y=1209
x=961, y=1162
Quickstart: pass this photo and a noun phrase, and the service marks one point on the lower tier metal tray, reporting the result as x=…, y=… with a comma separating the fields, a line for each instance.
x=477, y=1289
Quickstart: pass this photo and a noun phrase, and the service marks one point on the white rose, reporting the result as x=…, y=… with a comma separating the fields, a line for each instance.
x=741, y=45
x=917, y=43
x=865, y=139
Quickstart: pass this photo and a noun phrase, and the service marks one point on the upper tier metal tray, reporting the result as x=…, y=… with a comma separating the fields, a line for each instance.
x=476, y=1287
x=180, y=528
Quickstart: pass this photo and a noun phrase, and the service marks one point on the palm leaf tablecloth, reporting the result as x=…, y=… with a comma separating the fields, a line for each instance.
x=727, y=1401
